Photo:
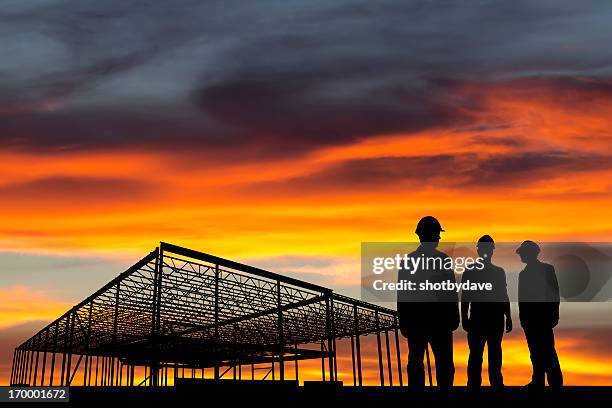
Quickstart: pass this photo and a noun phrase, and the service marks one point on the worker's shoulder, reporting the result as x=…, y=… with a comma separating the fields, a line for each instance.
x=432, y=254
x=415, y=253
x=548, y=266
x=439, y=254
x=545, y=267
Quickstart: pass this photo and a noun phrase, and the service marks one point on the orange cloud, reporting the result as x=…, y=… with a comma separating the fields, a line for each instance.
x=531, y=161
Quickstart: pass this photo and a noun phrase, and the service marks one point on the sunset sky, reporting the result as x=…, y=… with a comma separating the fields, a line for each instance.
x=285, y=133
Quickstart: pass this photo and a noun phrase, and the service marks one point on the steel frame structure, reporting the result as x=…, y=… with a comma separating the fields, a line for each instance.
x=180, y=309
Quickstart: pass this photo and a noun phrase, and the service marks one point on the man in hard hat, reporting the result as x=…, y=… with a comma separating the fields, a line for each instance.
x=429, y=318
x=483, y=313
x=539, y=314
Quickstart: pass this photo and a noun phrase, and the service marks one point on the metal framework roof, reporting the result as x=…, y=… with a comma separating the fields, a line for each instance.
x=180, y=307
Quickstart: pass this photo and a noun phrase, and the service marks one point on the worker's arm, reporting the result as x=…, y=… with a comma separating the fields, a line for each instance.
x=504, y=286
x=554, y=297
x=465, y=307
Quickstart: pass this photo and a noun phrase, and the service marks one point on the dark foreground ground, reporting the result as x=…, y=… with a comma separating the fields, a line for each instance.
x=276, y=394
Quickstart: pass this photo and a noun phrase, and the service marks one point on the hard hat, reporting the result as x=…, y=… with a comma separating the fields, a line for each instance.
x=528, y=246
x=486, y=239
x=428, y=224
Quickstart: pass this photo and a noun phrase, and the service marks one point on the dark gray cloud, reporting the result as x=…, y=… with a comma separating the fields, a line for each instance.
x=536, y=166
x=463, y=170
x=67, y=278
x=75, y=191
x=273, y=77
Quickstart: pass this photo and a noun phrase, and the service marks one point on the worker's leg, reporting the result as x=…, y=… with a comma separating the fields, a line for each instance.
x=416, y=351
x=442, y=347
x=476, y=343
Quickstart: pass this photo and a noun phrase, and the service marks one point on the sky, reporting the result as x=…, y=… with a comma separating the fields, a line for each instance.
x=285, y=133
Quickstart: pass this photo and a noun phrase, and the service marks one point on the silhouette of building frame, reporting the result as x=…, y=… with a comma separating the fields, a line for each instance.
x=180, y=309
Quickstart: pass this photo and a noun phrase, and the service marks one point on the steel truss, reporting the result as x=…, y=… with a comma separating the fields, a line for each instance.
x=178, y=309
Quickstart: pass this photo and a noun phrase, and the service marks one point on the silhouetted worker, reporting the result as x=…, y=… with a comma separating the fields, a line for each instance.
x=539, y=314
x=429, y=318
x=482, y=316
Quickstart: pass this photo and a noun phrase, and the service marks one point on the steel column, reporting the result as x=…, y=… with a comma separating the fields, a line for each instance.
x=36, y=368
x=23, y=366
x=71, y=317
x=217, y=317
x=16, y=366
x=388, y=358
x=156, y=315
x=281, y=337
x=30, y=366
x=97, y=369
x=44, y=364
x=13, y=366
x=322, y=360
x=53, y=355
x=379, y=348
x=330, y=336
x=358, y=346
x=297, y=376
x=353, y=360
x=398, y=352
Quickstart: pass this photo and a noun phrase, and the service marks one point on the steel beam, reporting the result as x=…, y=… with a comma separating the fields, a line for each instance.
x=379, y=349
x=398, y=353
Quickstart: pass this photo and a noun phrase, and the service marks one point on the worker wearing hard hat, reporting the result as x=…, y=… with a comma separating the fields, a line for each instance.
x=429, y=321
x=539, y=314
x=484, y=315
